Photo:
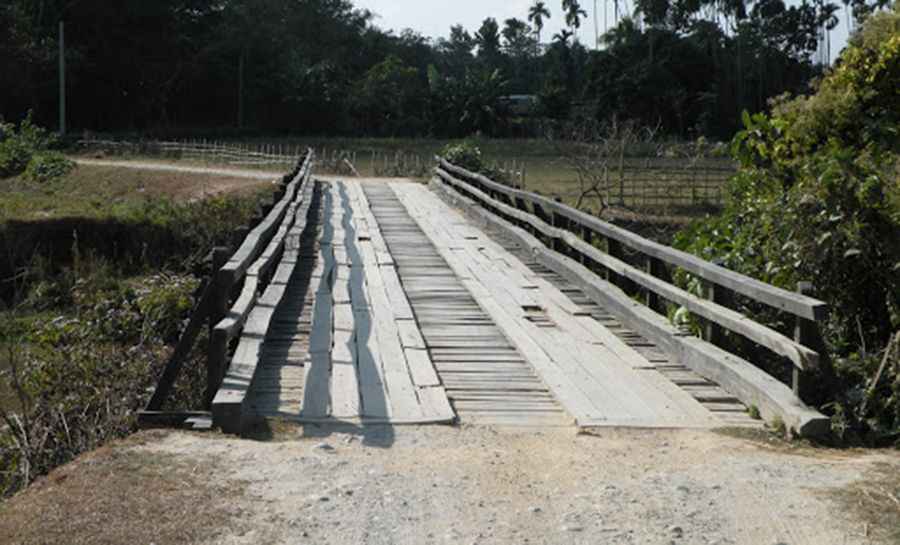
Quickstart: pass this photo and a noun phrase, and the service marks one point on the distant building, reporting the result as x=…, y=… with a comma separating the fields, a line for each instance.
x=522, y=105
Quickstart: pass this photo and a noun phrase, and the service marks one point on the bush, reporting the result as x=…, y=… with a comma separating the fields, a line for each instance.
x=86, y=372
x=464, y=154
x=48, y=165
x=467, y=154
x=18, y=145
x=817, y=199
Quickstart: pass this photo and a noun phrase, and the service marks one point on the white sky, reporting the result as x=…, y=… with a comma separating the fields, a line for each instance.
x=433, y=18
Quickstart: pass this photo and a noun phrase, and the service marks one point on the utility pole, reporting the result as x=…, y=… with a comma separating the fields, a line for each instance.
x=241, y=91
x=62, y=79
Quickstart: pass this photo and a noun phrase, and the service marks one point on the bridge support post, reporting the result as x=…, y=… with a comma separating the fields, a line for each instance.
x=218, y=346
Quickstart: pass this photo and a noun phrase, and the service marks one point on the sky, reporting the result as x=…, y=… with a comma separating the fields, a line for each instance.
x=433, y=18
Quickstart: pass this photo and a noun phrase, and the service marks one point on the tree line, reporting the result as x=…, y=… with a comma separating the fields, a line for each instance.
x=688, y=67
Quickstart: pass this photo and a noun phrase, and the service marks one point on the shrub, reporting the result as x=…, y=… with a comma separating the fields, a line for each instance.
x=86, y=372
x=816, y=199
x=48, y=165
x=19, y=144
x=467, y=154
x=464, y=154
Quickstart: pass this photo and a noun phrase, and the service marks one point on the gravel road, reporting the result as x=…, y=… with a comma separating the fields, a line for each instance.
x=480, y=485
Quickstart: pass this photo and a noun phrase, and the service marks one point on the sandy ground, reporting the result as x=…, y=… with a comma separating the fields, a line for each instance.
x=478, y=485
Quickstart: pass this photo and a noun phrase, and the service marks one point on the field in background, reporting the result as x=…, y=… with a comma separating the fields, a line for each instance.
x=101, y=191
x=650, y=184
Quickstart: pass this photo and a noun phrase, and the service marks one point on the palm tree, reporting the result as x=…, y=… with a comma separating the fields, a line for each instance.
x=536, y=14
x=563, y=37
x=574, y=13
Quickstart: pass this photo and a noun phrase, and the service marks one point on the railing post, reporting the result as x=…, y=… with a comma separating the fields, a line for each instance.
x=714, y=333
x=657, y=268
x=520, y=205
x=587, y=235
x=216, y=353
x=806, y=332
x=542, y=215
x=560, y=222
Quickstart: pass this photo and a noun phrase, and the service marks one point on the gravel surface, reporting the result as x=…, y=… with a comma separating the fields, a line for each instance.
x=480, y=485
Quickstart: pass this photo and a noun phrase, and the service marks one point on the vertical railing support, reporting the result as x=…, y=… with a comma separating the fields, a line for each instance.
x=656, y=267
x=806, y=332
x=218, y=344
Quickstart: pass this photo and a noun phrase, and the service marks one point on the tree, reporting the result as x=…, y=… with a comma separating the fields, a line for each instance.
x=574, y=13
x=536, y=15
x=488, y=40
x=521, y=48
x=388, y=99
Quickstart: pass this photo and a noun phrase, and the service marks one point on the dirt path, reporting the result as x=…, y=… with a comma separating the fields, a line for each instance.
x=479, y=485
x=168, y=167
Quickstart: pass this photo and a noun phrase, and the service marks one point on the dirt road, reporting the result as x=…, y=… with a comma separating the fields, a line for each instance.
x=168, y=167
x=469, y=485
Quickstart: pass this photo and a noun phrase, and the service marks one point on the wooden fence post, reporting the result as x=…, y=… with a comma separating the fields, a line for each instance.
x=216, y=352
x=806, y=332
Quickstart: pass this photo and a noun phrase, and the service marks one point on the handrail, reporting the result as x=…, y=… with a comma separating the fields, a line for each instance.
x=801, y=356
x=217, y=292
x=506, y=209
x=775, y=297
x=234, y=320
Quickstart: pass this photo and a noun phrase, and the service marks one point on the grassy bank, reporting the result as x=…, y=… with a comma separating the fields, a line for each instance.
x=101, y=272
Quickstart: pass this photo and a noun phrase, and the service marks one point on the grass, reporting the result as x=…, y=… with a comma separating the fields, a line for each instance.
x=120, y=494
x=670, y=190
x=100, y=192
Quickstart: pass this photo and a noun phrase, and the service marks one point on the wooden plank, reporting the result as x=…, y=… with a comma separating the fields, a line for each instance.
x=396, y=295
x=410, y=336
x=344, y=380
x=421, y=368
x=435, y=405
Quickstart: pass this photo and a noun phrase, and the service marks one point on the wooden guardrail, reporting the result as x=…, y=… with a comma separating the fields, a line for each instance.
x=251, y=264
x=579, y=246
x=249, y=318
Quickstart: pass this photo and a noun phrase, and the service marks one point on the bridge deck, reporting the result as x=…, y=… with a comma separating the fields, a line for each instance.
x=408, y=313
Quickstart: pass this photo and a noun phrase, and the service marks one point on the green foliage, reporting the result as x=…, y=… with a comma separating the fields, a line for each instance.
x=80, y=377
x=816, y=200
x=302, y=65
x=465, y=154
x=48, y=165
x=18, y=146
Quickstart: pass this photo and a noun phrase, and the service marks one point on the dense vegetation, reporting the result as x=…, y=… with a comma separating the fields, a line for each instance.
x=818, y=198
x=91, y=301
x=320, y=66
x=28, y=148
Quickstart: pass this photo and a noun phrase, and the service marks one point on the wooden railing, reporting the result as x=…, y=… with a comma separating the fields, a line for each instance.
x=594, y=255
x=248, y=269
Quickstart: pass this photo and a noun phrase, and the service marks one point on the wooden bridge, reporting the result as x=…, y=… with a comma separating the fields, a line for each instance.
x=466, y=300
